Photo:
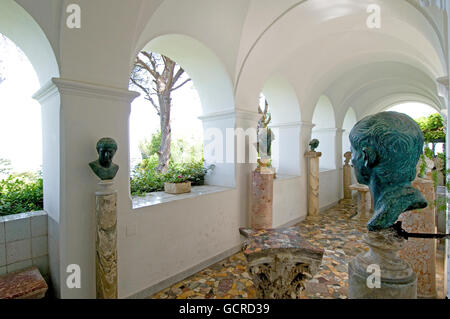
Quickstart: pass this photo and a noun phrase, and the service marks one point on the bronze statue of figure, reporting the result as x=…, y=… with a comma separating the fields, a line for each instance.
x=104, y=168
x=386, y=148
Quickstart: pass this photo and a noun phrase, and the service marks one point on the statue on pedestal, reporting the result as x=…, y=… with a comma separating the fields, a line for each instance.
x=386, y=148
x=104, y=168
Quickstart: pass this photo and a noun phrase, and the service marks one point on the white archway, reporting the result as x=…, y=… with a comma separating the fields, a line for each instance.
x=216, y=96
x=24, y=31
x=325, y=131
x=349, y=121
x=285, y=124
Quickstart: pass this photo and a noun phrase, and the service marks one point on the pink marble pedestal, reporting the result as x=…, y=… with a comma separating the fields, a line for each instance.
x=421, y=253
x=262, y=200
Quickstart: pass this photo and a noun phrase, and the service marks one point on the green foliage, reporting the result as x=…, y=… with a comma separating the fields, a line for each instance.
x=428, y=152
x=180, y=150
x=150, y=148
x=423, y=166
x=443, y=158
x=21, y=193
x=432, y=128
x=434, y=178
x=145, y=178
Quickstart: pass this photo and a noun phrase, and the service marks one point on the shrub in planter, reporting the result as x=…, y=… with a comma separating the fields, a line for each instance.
x=145, y=179
x=176, y=182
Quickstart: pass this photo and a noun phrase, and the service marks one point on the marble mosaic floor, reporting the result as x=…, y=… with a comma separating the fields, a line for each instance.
x=337, y=233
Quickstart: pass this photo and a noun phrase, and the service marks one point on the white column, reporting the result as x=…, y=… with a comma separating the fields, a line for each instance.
x=49, y=98
x=339, y=157
x=245, y=156
x=305, y=137
x=86, y=113
x=217, y=149
x=327, y=146
x=286, y=148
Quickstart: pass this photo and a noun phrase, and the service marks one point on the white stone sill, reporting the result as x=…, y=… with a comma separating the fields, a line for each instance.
x=282, y=178
x=158, y=198
x=326, y=170
x=8, y=218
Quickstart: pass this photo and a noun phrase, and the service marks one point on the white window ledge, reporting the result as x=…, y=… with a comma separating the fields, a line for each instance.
x=281, y=177
x=12, y=217
x=323, y=170
x=157, y=198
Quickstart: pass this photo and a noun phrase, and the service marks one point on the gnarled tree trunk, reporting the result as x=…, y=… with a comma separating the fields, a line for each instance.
x=166, y=133
x=155, y=75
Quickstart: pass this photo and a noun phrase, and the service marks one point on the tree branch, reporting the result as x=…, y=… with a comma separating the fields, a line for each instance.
x=148, y=95
x=177, y=87
x=154, y=73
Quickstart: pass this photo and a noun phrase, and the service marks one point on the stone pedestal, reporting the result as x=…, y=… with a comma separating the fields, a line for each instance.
x=313, y=185
x=364, y=210
x=262, y=199
x=421, y=253
x=23, y=284
x=397, y=280
x=280, y=261
x=106, y=241
x=347, y=179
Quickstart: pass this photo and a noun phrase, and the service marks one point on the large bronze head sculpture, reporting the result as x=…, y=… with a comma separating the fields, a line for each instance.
x=386, y=148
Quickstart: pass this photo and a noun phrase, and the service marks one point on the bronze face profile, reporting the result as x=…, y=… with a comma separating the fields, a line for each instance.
x=104, y=168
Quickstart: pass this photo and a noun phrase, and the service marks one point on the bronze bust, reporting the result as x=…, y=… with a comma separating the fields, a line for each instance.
x=104, y=168
x=386, y=148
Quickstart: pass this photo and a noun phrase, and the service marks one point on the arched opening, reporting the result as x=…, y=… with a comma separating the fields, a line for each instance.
x=285, y=124
x=18, y=26
x=432, y=124
x=349, y=121
x=325, y=132
x=166, y=135
x=201, y=111
x=413, y=109
x=20, y=124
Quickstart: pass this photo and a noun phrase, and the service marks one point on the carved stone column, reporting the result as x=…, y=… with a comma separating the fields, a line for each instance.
x=397, y=280
x=313, y=185
x=421, y=253
x=280, y=261
x=347, y=179
x=262, y=199
x=106, y=241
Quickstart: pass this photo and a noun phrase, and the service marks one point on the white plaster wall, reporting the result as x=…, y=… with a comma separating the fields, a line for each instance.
x=329, y=187
x=173, y=237
x=290, y=201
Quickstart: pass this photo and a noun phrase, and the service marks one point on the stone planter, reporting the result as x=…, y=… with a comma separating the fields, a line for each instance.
x=177, y=188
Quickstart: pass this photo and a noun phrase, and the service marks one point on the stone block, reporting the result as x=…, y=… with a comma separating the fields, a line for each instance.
x=23, y=284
